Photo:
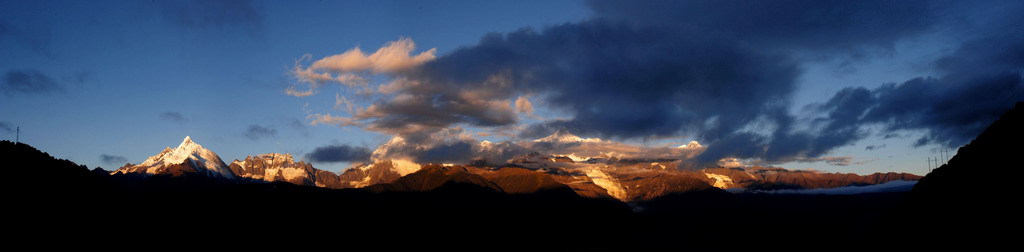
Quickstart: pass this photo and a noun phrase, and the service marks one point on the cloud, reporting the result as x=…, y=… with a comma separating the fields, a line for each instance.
x=329, y=119
x=113, y=160
x=523, y=106
x=342, y=103
x=6, y=127
x=979, y=82
x=837, y=161
x=809, y=25
x=294, y=92
x=612, y=88
x=873, y=147
x=951, y=110
x=255, y=132
x=721, y=72
x=350, y=67
x=456, y=145
x=198, y=14
x=173, y=117
x=29, y=82
x=395, y=56
x=339, y=153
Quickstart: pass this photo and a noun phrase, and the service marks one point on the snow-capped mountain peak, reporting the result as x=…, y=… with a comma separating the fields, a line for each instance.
x=199, y=158
x=563, y=136
x=691, y=145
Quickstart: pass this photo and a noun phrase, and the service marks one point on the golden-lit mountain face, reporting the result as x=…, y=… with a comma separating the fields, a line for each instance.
x=603, y=176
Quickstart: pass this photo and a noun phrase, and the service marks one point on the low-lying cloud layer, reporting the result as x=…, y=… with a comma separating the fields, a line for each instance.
x=339, y=153
x=113, y=159
x=892, y=186
x=721, y=72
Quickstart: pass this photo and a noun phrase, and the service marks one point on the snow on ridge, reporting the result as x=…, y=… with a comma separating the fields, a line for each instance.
x=607, y=182
x=404, y=167
x=691, y=145
x=563, y=136
x=721, y=181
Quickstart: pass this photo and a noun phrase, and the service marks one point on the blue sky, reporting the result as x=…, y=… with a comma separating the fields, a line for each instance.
x=128, y=78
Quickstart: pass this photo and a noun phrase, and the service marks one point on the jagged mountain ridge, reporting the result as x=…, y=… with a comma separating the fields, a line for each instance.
x=275, y=167
x=625, y=180
x=191, y=159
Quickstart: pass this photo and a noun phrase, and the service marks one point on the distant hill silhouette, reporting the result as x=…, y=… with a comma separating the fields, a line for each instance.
x=33, y=171
x=973, y=198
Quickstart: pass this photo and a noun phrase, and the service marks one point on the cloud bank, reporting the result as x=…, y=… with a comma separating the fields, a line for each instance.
x=721, y=72
x=892, y=186
x=339, y=153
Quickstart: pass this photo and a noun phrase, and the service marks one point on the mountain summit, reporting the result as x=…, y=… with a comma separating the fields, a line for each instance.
x=275, y=167
x=564, y=136
x=188, y=158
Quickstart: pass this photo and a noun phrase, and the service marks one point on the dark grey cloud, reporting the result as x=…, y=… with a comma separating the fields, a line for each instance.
x=421, y=113
x=339, y=153
x=173, y=117
x=198, y=14
x=29, y=82
x=873, y=147
x=447, y=153
x=951, y=110
x=822, y=28
x=836, y=161
x=617, y=80
x=620, y=81
x=980, y=81
x=256, y=132
x=6, y=127
x=723, y=72
x=113, y=160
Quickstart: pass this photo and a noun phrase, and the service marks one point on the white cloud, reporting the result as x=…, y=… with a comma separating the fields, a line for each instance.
x=329, y=119
x=394, y=57
x=295, y=92
x=730, y=162
x=691, y=145
x=352, y=67
x=342, y=102
x=524, y=106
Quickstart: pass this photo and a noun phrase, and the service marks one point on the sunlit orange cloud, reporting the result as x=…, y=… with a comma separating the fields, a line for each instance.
x=349, y=68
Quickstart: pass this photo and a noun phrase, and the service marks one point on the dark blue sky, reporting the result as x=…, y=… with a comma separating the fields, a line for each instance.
x=879, y=85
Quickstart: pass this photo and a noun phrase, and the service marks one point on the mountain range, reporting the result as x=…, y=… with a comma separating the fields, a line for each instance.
x=594, y=177
x=187, y=196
